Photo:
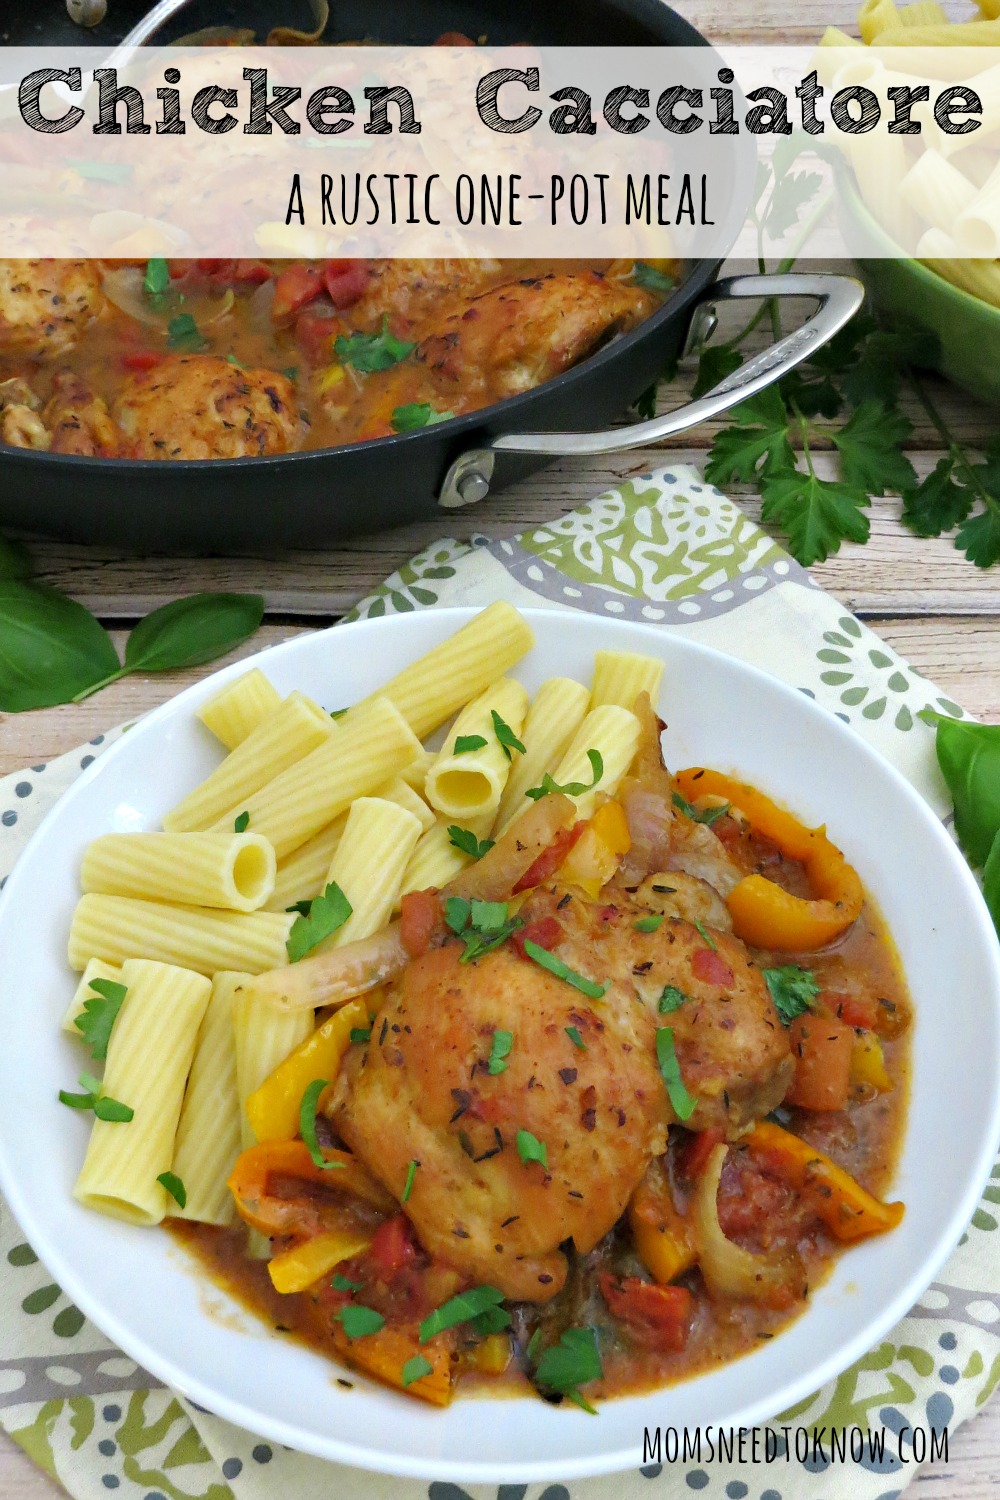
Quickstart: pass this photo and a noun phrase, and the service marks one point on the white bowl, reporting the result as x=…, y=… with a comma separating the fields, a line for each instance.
x=145, y=1294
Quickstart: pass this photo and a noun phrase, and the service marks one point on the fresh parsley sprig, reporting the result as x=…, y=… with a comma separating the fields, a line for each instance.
x=98, y=1016
x=572, y=788
x=793, y=990
x=104, y=1107
x=465, y=841
x=325, y=915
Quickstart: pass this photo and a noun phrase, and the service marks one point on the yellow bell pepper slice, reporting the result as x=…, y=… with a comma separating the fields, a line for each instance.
x=295, y=1269
x=663, y=1239
x=847, y=1209
x=764, y=913
x=491, y=1356
x=598, y=851
x=385, y=1353
x=273, y=1109
x=868, y=1063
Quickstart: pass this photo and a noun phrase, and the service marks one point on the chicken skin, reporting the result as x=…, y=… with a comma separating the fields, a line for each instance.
x=45, y=305
x=78, y=421
x=198, y=406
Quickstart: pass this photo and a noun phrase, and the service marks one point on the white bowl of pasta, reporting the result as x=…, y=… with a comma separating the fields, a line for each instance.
x=90, y=1196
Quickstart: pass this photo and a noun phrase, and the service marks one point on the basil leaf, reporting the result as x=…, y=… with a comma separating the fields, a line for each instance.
x=358, y=1322
x=530, y=1148
x=466, y=743
x=573, y=1032
x=15, y=561
x=327, y=913
x=574, y=1361
x=463, y=839
x=547, y=960
x=411, y=1173
x=174, y=1187
x=51, y=648
x=572, y=788
x=792, y=989
x=502, y=1043
x=672, y=999
x=670, y=1069
x=460, y=1309
x=415, y=1369
x=189, y=632
x=969, y=757
x=98, y=1016
x=369, y=352
x=991, y=883
x=307, y=1124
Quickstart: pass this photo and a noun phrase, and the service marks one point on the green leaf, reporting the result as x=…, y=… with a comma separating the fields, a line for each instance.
x=98, y=1016
x=189, y=632
x=184, y=335
x=547, y=960
x=506, y=737
x=790, y=196
x=573, y=1362
x=465, y=840
x=326, y=914
x=651, y=280
x=416, y=1368
x=411, y=1173
x=241, y=823
x=466, y=743
x=979, y=537
x=573, y=1032
x=714, y=364
x=358, y=1322
x=307, y=1124
x=174, y=1187
x=157, y=278
x=756, y=445
x=15, y=561
x=460, y=1309
x=648, y=924
x=881, y=358
x=361, y=1034
x=938, y=502
x=101, y=171
x=104, y=1108
x=457, y=912
x=416, y=415
x=706, y=934
x=706, y=815
x=969, y=757
x=645, y=403
x=672, y=999
x=503, y=1041
x=368, y=352
x=816, y=515
x=341, y=1283
x=51, y=648
x=793, y=989
x=572, y=788
x=670, y=1069
x=530, y=1148
x=482, y=925
x=991, y=883
x=869, y=445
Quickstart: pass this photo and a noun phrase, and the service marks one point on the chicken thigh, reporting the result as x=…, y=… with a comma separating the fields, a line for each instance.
x=198, y=406
x=45, y=305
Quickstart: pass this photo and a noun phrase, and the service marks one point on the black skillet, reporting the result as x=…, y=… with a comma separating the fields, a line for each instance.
x=314, y=498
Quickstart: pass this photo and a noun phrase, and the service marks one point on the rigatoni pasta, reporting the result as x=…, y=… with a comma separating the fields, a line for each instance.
x=233, y=871
x=234, y=712
x=369, y=864
x=209, y=1137
x=84, y=991
x=469, y=774
x=614, y=734
x=116, y=928
x=620, y=676
x=263, y=1037
x=554, y=715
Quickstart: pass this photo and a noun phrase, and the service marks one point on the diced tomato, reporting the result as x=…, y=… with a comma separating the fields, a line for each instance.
x=454, y=39
x=420, y=917
x=546, y=932
x=140, y=359
x=251, y=272
x=392, y=1245
x=659, y=1315
x=297, y=285
x=315, y=335
x=853, y=1010
x=346, y=281
x=711, y=968
x=551, y=858
x=760, y=1208
x=692, y=1158
x=821, y=1047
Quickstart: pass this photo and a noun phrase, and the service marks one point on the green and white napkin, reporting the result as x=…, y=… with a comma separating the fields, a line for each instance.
x=662, y=548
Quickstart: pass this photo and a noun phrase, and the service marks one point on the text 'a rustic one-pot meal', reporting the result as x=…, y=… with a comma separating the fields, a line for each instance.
x=523, y=1061
x=245, y=358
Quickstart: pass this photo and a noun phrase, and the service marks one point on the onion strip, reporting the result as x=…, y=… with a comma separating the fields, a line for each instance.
x=731, y=1273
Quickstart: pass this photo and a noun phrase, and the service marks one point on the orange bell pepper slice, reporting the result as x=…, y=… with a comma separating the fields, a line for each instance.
x=598, y=851
x=763, y=913
x=847, y=1209
x=662, y=1237
x=248, y=1183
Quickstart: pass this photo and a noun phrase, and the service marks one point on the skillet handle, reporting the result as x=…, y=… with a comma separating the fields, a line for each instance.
x=468, y=478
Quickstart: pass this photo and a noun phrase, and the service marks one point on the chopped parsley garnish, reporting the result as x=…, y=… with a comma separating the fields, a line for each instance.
x=302, y=907
x=666, y=1056
x=506, y=737
x=648, y=924
x=530, y=1148
x=417, y=414
x=482, y=925
x=326, y=913
x=707, y=815
x=369, y=352
x=415, y=1369
x=555, y=966
x=236, y=363
x=793, y=991
x=480, y=1305
x=111, y=1110
x=157, y=278
x=307, y=1124
x=565, y=1366
x=98, y=1016
x=183, y=333
x=361, y=1033
x=411, y=1172
x=358, y=1322
x=342, y=1283
x=466, y=743
x=705, y=934
x=101, y=171
x=291, y=372
x=465, y=840
x=651, y=280
x=572, y=788
x=242, y=823
x=502, y=1043
x=672, y=999
x=573, y=1032
x=174, y=1187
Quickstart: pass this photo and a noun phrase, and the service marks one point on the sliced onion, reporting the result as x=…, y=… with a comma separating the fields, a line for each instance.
x=331, y=978
x=731, y=1273
x=259, y=307
x=124, y=287
x=494, y=877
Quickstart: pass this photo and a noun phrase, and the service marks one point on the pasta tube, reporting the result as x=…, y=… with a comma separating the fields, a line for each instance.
x=923, y=13
x=977, y=228
x=369, y=864
x=614, y=733
x=236, y=711
x=620, y=676
x=95, y=970
x=555, y=714
x=876, y=16
x=208, y=1135
x=369, y=746
x=234, y=871
x=149, y=1058
x=469, y=784
x=288, y=735
x=434, y=687
x=264, y=1036
x=936, y=190
x=955, y=34
x=116, y=928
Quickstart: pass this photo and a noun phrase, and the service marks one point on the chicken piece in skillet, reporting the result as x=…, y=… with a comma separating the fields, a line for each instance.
x=21, y=424
x=415, y=290
x=422, y=1090
x=78, y=421
x=194, y=406
x=45, y=305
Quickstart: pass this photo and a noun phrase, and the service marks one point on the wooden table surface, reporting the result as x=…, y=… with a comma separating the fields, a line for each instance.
x=922, y=596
